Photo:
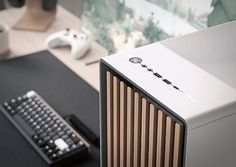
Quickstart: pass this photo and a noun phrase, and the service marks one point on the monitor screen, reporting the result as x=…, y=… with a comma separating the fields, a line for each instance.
x=124, y=24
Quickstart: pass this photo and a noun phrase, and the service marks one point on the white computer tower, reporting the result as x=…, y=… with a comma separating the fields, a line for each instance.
x=160, y=110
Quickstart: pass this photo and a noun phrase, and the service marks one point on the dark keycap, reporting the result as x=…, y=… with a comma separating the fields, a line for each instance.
x=41, y=113
x=33, y=113
x=51, y=144
x=39, y=120
x=37, y=127
x=29, y=100
x=30, y=121
x=64, y=137
x=69, y=141
x=24, y=114
x=55, y=126
x=67, y=150
x=53, y=156
x=73, y=146
x=41, y=142
x=34, y=124
x=13, y=103
x=59, y=129
x=55, y=137
x=45, y=116
x=43, y=135
x=51, y=134
x=18, y=108
x=58, y=121
x=5, y=104
x=35, y=137
x=13, y=112
x=61, y=133
x=38, y=109
x=59, y=153
x=74, y=138
x=45, y=148
x=49, y=152
x=19, y=99
x=56, y=149
x=46, y=139
x=36, y=116
x=48, y=130
x=48, y=119
x=35, y=106
x=26, y=106
x=45, y=126
x=51, y=124
x=9, y=108
x=28, y=117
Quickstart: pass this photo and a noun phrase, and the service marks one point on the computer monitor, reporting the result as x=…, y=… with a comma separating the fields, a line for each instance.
x=123, y=24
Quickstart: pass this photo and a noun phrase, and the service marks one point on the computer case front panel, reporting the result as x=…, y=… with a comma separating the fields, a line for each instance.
x=136, y=130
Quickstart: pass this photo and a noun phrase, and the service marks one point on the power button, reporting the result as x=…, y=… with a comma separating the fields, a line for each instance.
x=135, y=60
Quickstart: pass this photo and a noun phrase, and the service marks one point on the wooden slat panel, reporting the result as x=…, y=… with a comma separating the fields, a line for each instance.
x=109, y=119
x=169, y=142
x=130, y=127
x=137, y=129
x=160, y=139
x=138, y=134
x=116, y=121
x=178, y=141
x=123, y=124
x=152, y=137
x=144, y=133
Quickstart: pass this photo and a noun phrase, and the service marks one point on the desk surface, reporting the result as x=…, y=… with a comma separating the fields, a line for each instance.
x=25, y=42
x=68, y=95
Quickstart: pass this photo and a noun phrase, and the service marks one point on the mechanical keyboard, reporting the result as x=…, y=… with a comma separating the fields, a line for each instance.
x=47, y=132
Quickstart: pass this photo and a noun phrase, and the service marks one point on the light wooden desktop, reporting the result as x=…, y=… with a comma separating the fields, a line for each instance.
x=26, y=42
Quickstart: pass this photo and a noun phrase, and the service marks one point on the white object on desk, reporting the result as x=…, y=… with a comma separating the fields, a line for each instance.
x=79, y=42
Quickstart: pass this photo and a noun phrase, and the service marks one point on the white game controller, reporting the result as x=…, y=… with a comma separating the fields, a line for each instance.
x=79, y=42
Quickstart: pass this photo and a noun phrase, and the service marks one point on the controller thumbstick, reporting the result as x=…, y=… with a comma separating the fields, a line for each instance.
x=67, y=29
x=75, y=36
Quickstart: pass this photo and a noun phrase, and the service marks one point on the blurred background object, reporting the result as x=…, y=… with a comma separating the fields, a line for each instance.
x=16, y=3
x=38, y=16
x=224, y=11
x=134, y=23
x=74, y=6
x=2, y=4
x=4, y=41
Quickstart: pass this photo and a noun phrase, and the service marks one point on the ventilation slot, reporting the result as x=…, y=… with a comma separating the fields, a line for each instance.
x=138, y=133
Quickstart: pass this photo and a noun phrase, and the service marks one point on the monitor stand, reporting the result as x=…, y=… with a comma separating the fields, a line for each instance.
x=35, y=17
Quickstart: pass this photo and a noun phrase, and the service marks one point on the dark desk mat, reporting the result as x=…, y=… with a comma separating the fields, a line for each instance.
x=65, y=91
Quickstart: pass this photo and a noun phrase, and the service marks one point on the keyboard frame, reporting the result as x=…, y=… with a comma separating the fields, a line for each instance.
x=65, y=159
